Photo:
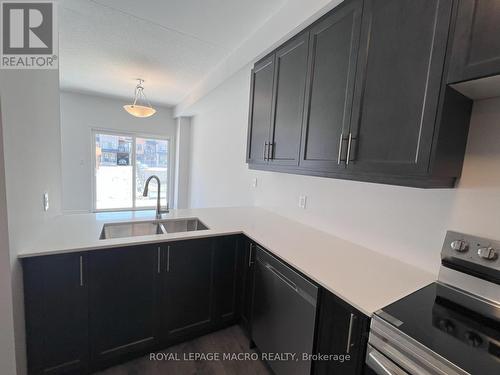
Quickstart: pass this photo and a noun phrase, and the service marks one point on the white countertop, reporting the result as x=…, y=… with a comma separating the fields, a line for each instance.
x=362, y=277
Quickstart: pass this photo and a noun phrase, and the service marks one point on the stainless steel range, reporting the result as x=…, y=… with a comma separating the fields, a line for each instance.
x=449, y=327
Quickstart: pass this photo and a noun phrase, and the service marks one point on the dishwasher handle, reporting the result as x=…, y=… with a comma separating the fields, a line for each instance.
x=312, y=299
x=285, y=279
x=381, y=365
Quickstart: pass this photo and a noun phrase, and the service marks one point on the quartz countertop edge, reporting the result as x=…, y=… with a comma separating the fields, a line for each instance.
x=365, y=278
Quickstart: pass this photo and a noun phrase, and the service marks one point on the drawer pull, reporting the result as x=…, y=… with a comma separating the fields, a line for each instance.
x=168, y=258
x=81, y=270
x=158, y=260
x=349, y=335
x=348, y=150
x=341, y=143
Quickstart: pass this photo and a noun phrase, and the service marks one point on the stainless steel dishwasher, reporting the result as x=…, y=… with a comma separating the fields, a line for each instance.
x=284, y=315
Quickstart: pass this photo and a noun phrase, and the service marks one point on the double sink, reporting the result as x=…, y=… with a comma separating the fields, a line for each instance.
x=152, y=227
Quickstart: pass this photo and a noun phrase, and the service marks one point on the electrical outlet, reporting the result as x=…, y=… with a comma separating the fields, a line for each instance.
x=254, y=182
x=302, y=201
x=45, y=201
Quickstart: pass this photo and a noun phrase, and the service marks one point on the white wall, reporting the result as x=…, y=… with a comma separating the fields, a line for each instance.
x=80, y=113
x=182, y=162
x=405, y=223
x=32, y=151
x=7, y=343
x=218, y=174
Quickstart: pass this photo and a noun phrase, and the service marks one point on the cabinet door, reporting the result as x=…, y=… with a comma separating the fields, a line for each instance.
x=56, y=304
x=333, y=52
x=399, y=76
x=290, y=84
x=226, y=282
x=476, y=43
x=260, y=112
x=248, y=284
x=188, y=289
x=124, y=306
x=342, y=330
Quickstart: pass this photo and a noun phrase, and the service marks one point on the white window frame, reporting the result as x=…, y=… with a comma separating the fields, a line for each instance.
x=134, y=136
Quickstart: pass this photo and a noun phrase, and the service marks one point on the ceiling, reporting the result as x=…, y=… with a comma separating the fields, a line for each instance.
x=104, y=45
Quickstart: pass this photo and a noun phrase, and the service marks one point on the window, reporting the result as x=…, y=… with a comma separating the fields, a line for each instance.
x=123, y=163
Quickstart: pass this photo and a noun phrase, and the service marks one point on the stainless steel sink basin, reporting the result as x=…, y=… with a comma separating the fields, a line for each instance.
x=120, y=230
x=183, y=225
x=147, y=228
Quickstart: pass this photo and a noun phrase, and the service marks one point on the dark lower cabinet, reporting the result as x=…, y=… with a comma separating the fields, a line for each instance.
x=248, y=275
x=87, y=311
x=226, y=279
x=188, y=290
x=341, y=331
x=476, y=42
x=124, y=303
x=56, y=301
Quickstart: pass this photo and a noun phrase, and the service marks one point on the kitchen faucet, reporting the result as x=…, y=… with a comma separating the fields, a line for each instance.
x=159, y=211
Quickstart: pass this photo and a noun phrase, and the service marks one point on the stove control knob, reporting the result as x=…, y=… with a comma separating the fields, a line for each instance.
x=473, y=339
x=487, y=253
x=460, y=246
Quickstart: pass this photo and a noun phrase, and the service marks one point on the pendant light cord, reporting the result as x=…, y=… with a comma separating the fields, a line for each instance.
x=139, y=91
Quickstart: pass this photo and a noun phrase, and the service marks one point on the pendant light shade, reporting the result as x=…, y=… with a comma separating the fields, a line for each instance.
x=137, y=109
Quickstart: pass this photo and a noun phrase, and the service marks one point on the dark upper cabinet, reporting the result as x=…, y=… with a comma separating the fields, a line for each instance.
x=56, y=307
x=398, y=84
x=342, y=330
x=333, y=50
x=226, y=281
x=377, y=107
x=289, y=90
x=123, y=292
x=476, y=43
x=188, y=290
x=260, y=112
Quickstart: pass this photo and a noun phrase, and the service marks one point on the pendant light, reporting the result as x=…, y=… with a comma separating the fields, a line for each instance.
x=137, y=109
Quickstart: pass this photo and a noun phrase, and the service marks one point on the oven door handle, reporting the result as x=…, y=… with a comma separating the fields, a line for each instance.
x=381, y=365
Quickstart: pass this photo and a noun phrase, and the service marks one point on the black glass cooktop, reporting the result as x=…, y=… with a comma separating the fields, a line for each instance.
x=464, y=337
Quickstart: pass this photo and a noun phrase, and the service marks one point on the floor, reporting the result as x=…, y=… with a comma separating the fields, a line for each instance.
x=231, y=340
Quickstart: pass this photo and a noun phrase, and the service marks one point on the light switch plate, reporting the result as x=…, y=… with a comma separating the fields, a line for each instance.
x=302, y=201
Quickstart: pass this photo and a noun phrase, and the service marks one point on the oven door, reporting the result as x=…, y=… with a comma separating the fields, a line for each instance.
x=379, y=364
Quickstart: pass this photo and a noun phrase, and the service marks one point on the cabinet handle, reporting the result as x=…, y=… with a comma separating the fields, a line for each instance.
x=265, y=150
x=271, y=151
x=81, y=270
x=168, y=258
x=158, y=259
x=250, y=255
x=341, y=143
x=349, y=335
x=348, y=149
